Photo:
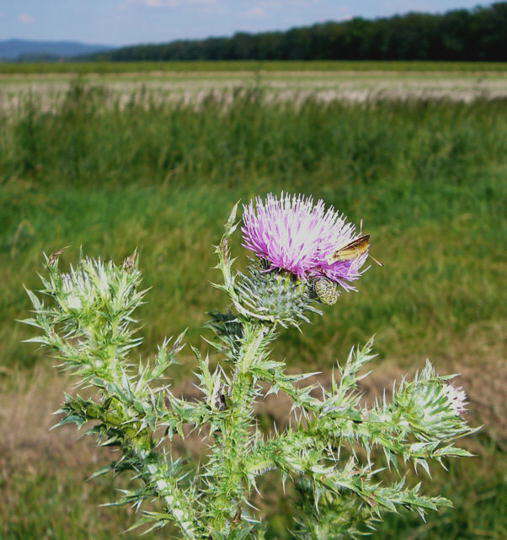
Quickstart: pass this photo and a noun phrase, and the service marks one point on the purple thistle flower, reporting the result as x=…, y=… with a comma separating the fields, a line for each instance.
x=296, y=234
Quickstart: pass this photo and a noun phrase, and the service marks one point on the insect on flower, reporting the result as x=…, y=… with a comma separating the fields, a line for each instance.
x=352, y=250
x=326, y=290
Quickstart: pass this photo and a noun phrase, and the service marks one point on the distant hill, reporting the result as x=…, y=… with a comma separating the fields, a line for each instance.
x=462, y=34
x=24, y=49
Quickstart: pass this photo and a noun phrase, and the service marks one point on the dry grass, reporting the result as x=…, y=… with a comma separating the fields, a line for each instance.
x=190, y=87
x=26, y=418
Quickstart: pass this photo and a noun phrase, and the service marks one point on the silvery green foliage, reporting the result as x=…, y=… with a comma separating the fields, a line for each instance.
x=332, y=453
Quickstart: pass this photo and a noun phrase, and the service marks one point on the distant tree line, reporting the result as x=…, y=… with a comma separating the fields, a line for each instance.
x=477, y=34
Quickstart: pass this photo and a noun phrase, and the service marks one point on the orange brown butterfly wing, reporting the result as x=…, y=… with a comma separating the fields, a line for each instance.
x=352, y=250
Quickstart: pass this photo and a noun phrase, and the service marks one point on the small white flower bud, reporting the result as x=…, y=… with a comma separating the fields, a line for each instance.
x=457, y=398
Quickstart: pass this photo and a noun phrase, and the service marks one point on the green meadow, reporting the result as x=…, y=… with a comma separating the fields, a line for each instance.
x=248, y=65
x=427, y=177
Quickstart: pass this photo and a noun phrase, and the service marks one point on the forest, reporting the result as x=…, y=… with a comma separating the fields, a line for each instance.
x=457, y=35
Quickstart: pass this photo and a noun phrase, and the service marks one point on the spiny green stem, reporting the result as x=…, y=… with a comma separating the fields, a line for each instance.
x=141, y=446
x=232, y=445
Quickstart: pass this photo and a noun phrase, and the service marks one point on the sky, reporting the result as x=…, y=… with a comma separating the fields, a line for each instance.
x=119, y=22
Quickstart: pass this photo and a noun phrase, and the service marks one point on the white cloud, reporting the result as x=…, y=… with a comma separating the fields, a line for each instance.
x=160, y=3
x=25, y=18
x=125, y=5
x=170, y=3
x=256, y=12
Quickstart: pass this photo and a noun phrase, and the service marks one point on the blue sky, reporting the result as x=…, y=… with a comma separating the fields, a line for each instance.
x=118, y=22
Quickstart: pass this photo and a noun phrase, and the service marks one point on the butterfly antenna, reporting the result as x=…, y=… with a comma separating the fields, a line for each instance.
x=361, y=226
x=376, y=260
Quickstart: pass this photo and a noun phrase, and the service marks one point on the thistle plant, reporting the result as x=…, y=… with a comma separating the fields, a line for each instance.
x=335, y=448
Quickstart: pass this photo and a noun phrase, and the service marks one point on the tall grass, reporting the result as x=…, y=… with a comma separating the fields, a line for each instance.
x=428, y=177
x=425, y=176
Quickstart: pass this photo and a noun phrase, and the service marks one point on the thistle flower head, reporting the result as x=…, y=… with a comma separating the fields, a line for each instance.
x=457, y=398
x=296, y=234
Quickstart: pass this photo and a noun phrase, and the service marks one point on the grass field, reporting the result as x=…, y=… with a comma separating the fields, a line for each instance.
x=252, y=65
x=427, y=177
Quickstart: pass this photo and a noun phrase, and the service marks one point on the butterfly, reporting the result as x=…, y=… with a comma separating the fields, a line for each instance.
x=352, y=250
